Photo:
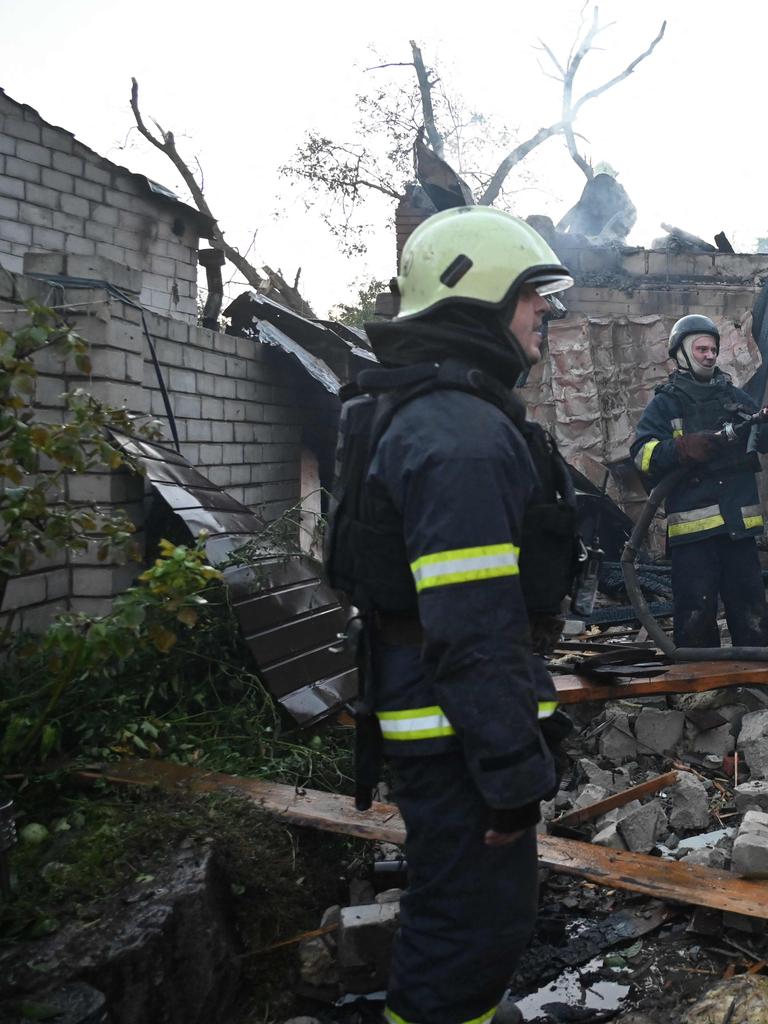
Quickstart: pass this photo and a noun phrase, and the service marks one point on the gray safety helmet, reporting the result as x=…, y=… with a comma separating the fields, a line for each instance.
x=694, y=323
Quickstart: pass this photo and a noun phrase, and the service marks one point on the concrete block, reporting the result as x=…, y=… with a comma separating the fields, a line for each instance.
x=224, y=387
x=47, y=238
x=88, y=190
x=643, y=827
x=753, y=743
x=56, y=138
x=609, y=836
x=7, y=145
x=364, y=942
x=719, y=741
x=9, y=208
x=752, y=794
x=67, y=163
x=187, y=405
x=616, y=741
x=55, y=183
x=79, y=246
x=750, y=848
x=68, y=223
x=200, y=430
x=659, y=732
x=102, y=581
x=213, y=409
x=617, y=813
x=214, y=363
x=708, y=857
x=12, y=231
x=11, y=187
x=95, y=173
x=99, y=232
x=21, y=591
x=589, y=794
x=104, y=488
x=19, y=128
x=16, y=168
x=690, y=803
x=184, y=380
x=34, y=153
x=35, y=215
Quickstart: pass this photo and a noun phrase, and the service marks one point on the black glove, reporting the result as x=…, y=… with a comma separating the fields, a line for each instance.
x=699, y=447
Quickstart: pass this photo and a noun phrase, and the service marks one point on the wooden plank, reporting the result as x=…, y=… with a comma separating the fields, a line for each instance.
x=615, y=869
x=592, y=811
x=688, y=677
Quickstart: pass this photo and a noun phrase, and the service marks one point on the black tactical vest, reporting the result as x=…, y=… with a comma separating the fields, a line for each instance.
x=365, y=555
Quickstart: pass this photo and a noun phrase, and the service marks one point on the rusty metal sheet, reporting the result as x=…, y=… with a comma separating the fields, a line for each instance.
x=289, y=616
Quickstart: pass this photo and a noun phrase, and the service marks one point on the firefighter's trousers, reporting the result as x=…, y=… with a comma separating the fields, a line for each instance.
x=704, y=569
x=469, y=909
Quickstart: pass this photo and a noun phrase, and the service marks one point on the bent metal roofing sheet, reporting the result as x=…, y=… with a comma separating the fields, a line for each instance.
x=289, y=616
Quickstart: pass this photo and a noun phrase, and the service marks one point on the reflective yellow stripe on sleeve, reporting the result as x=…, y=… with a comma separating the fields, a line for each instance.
x=394, y=1018
x=431, y=723
x=415, y=724
x=752, y=517
x=643, y=457
x=677, y=427
x=464, y=565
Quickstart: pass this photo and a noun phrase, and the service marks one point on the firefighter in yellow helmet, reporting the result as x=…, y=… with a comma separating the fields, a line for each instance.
x=427, y=537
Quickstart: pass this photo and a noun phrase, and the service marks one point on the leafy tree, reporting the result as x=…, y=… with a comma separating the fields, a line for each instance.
x=356, y=315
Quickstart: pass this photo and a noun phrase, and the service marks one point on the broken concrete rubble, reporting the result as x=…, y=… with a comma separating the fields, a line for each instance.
x=750, y=848
x=659, y=731
x=753, y=743
x=617, y=741
x=364, y=943
x=752, y=795
x=641, y=828
x=690, y=803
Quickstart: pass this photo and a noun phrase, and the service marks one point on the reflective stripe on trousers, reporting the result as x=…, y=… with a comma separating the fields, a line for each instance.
x=432, y=722
x=695, y=520
x=463, y=565
x=394, y=1018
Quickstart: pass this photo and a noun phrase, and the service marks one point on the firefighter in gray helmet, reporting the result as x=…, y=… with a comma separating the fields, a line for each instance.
x=714, y=514
x=426, y=539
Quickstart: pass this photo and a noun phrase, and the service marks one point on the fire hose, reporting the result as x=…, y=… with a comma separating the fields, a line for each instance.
x=730, y=433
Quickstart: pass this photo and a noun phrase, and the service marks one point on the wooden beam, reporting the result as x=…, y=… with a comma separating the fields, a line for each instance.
x=687, y=677
x=615, y=869
x=592, y=811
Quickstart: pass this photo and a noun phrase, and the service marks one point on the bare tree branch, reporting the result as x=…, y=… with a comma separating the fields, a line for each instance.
x=396, y=64
x=518, y=153
x=624, y=74
x=166, y=144
x=425, y=89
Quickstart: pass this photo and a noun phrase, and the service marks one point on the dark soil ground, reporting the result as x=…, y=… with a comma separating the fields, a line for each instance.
x=282, y=878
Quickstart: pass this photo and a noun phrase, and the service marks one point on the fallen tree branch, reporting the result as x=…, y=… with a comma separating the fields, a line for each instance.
x=425, y=91
x=167, y=144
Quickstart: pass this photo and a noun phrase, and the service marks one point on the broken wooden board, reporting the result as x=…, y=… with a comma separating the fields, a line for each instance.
x=614, y=869
x=600, y=807
x=685, y=677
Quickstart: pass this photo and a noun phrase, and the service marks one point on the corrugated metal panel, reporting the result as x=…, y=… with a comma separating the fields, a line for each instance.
x=289, y=616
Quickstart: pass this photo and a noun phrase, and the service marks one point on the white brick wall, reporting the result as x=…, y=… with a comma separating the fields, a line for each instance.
x=57, y=195
x=243, y=434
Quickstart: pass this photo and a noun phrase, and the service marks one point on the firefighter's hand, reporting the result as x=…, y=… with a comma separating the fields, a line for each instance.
x=493, y=838
x=698, y=447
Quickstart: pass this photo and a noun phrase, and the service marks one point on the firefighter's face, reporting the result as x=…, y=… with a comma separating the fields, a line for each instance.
x=527, y=323
x=704, y=350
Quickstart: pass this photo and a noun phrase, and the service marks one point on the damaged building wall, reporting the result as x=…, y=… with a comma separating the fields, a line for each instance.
x=236, y=413
x=606, y=358
x=58, y=196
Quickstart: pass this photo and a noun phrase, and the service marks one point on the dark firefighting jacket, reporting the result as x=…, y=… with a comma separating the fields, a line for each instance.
x=719, y=496
x=452, y=476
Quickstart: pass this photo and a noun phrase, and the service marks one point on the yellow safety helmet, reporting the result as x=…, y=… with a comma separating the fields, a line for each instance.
x=474, y=255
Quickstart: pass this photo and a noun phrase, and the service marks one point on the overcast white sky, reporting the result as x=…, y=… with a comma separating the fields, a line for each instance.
x=240, y=82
